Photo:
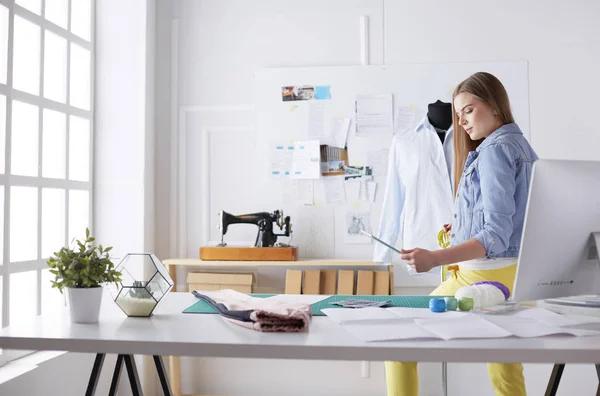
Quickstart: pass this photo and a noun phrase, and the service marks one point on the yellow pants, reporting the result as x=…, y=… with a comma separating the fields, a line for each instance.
x=402, y=378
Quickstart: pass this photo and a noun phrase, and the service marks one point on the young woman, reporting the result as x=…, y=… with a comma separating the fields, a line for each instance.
x=492, y=169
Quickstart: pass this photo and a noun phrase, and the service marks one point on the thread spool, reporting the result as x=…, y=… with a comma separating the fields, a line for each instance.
x=465, y=304
x=437, y=305
x=451, y=303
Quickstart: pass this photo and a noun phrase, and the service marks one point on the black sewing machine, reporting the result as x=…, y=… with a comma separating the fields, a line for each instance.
x=264, y=220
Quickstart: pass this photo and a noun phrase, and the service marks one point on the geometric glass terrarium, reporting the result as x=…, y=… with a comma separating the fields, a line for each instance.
x=145, y=282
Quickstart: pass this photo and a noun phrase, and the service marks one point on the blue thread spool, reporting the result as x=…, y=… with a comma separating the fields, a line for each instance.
x=451, y=303
x=437, y=305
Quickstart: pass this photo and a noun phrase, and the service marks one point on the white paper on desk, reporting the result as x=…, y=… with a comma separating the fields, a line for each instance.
x=470, y=326
x=529, y=327
x=378, y=161
x=369, y=314
x=544, y=316
x=306, y=162
x=423, y=313
x=374, y=114
x=367, y=191
x=334, y=189
x=280, y=159
x=338, y=133
x=316, y=120
x=387, y=330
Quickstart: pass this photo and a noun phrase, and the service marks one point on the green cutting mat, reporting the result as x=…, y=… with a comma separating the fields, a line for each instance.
x=202, y=307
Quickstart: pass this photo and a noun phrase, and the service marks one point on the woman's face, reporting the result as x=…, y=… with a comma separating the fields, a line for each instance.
x=475, y=116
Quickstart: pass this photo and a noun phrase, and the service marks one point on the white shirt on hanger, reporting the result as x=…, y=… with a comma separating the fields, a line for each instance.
x=418, y=194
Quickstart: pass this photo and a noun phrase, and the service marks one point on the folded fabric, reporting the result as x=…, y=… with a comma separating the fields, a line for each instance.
x=261, y=314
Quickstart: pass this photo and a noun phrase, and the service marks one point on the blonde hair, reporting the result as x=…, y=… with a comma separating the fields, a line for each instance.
x=490, y=91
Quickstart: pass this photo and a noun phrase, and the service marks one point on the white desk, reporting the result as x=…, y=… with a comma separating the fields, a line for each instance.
x=169, y=332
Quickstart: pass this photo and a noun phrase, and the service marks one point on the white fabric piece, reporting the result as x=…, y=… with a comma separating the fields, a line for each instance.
x=482, y=295
x=418, y=194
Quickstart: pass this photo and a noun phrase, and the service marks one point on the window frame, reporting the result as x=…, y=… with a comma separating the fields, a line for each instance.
x=7, y=180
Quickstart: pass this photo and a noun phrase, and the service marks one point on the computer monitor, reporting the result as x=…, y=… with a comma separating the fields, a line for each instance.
x=559, y=251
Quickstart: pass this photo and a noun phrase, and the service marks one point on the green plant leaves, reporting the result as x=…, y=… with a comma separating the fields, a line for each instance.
x=87, y=266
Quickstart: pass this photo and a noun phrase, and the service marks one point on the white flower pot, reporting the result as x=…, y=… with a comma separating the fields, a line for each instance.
x=84, y=304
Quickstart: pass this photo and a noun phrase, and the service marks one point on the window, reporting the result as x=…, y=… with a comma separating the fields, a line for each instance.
x=46, y=135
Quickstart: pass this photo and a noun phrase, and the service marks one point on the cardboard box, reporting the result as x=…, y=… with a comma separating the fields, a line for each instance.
x=218, y=281
x=210, y=287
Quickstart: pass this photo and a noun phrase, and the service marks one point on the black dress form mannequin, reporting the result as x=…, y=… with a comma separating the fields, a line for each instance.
x=440, y=117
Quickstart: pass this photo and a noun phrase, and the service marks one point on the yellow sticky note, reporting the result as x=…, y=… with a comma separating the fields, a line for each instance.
x=318, y=204
x=412, y=107
x=356, y=205
x=451, y=89
x=293, y=107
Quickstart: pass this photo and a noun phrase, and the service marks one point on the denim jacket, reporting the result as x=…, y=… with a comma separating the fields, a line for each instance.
x=492, y=193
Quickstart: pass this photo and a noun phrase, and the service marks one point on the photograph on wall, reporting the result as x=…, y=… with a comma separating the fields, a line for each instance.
x=297, y=92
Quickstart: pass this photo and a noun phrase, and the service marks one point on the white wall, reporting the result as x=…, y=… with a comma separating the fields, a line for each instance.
x=220, y=44
x=123, y=175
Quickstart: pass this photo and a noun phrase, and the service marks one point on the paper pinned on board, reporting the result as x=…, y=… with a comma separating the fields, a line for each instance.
x=338, y=133
x=306, y=160
x=374, y=114
x=357, y=220
x=334, y=189
x=407, y=118
x=378, y=161
x=367, y=191
x=297, y=191
x=280, y=159
x=316, y=120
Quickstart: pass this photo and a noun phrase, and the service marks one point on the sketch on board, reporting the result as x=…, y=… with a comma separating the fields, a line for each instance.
x=355, y=223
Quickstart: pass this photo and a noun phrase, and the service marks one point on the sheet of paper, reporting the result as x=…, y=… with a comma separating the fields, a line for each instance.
x=352, y=190
x=378, y=161
x=280, y=159
x=424, y=313
x=543, y=316
x=470, y=326
x=345, y=315
x=387, y=330
x=374, y=114
x=528, y=327
x=407, y=118
x=334, y=189
x=357, y=220
x=367, y=191
x=298, y=191
x=316, y=120
x=306, y=160
x=338, y=133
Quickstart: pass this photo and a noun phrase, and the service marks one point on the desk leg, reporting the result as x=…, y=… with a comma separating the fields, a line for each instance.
x=91, y=389
x=160, y=369
x=175, y=374
x=114, y=384
x=555, y=379
x=598, y=373
x=134, y=379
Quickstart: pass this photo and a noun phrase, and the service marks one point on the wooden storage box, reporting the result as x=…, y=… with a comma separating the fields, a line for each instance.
x=218, y=281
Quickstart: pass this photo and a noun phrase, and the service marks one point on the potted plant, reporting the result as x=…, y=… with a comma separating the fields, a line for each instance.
x=82, y=270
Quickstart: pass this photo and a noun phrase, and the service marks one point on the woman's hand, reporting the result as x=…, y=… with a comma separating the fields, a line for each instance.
x=421, y=260
x=447, y=228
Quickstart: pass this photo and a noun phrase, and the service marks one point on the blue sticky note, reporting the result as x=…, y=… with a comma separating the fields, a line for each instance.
x=322, y=92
